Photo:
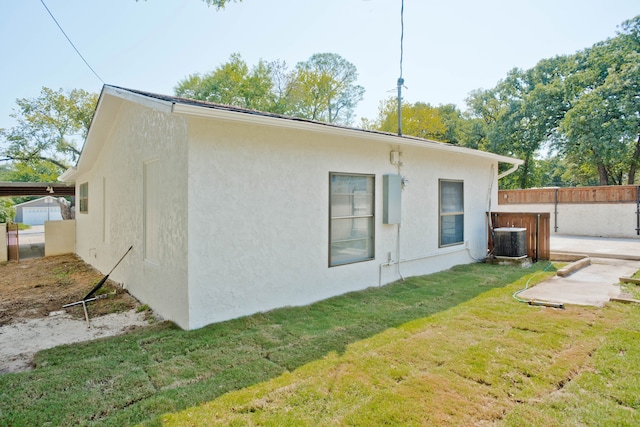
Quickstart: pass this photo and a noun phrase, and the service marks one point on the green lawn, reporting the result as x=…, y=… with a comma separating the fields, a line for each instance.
x=451, y=347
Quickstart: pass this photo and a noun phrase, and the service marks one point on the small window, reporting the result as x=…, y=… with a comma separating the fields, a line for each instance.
x=451, y=212
x=84, y=198
x=351, y=212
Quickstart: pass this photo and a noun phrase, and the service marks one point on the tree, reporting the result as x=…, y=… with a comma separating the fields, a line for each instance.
x=522, y=114
x=34, y=171
x=7, y=211
x=323, y=88
x=49, y=128
x=601, y=127
x=232, y=84
x=219, y=4
x=419, y=119
x=578, y=113
x=320, y=89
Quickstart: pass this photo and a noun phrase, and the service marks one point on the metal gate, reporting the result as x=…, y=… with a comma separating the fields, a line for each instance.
x=13, y=245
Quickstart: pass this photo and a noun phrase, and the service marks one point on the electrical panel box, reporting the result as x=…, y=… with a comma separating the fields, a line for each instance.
x=392, y=195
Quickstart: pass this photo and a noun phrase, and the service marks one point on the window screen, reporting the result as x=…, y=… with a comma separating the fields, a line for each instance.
x=451, y=212
x=351, y=218
x=84, y=198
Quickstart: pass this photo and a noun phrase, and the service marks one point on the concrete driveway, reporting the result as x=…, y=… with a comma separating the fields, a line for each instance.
x=31, y=242
x=596, y=283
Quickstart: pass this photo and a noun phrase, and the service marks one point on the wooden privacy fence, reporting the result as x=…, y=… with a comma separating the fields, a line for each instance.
x=577, y=203
x=538, y=230
x=578, y=195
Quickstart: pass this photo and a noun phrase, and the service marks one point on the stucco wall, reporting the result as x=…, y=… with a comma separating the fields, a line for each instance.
x=4, y=252
x=59, y=237
x=258, y=216
x=589, y=219
x=115, y=219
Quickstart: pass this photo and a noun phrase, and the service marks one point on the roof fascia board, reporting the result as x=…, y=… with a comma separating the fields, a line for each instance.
x=69, y=175
x=248, y=118
x=33, y=202
x=90, y=151
x=154, y=103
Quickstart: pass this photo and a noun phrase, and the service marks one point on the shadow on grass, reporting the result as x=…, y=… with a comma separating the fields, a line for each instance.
x=139, y=376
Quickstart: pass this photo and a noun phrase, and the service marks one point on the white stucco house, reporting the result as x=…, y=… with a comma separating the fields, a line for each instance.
x=232, y=212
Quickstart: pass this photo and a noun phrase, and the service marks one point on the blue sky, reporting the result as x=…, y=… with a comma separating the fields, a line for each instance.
x=450, y=47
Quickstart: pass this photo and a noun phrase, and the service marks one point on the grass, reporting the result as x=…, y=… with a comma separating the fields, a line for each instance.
x=449, y=348
x=142, y=375
x=487, y=361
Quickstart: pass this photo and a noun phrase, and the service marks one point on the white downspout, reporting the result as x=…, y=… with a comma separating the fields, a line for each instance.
x=509, y=172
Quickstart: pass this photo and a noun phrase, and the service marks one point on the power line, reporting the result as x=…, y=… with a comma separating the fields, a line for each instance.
x=70, y=42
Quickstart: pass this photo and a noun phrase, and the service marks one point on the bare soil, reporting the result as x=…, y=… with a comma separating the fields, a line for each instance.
x=36, y=287
x=32, y=293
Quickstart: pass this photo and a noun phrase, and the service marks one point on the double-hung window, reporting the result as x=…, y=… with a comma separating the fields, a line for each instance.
x=351, y=218
x=84, y=198
x=451, y=212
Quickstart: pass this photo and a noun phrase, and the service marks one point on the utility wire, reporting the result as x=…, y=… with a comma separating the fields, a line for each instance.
x=70, y=42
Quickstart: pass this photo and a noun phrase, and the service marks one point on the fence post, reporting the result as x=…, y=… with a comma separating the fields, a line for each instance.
x=555, y=214
x=638, y=210
x=4, y=243
x=13, y=245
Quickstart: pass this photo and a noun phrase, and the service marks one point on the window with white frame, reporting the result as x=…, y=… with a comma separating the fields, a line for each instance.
x=351, y=215
x=83, y=201
x=451, y=212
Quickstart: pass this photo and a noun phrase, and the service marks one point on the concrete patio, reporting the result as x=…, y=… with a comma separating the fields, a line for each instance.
x=594, y=284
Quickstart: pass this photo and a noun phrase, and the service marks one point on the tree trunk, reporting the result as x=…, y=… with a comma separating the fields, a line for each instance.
x=525, y=173
x=634, y=163
x=602, y=173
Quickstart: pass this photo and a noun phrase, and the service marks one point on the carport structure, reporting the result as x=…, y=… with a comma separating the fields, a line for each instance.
x=57, y=189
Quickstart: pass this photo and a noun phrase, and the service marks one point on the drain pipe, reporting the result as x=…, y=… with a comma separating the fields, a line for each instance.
x=398, y=252
x=490, y=223
x=419, y=258
x=537, y=237
x=399, y=165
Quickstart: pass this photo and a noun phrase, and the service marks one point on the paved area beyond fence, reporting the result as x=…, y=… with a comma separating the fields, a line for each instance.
x=597, y=247
x=595, y=284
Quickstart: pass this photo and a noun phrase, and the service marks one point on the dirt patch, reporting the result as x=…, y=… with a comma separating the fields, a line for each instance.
x=32, y=293
x=36, y=287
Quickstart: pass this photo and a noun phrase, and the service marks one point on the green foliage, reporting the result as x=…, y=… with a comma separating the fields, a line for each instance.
x=584, y=107
x=322, y=88
x=219, y=4
x=4, y=172
x=34, y=171
x=602, y=126
x=419, y=119
x=49, y=128
x=232, y=84
x=444, y=123
x=7, y=211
